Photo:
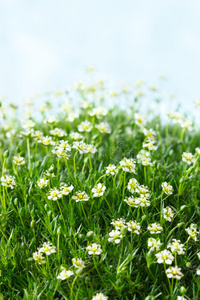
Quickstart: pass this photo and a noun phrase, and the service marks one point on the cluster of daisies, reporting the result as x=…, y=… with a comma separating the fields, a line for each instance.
x=139, y=195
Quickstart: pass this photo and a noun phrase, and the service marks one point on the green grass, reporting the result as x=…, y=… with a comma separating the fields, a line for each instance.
x=127, y=270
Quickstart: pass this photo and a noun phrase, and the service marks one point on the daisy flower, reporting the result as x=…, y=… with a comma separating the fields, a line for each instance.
x=115, y=236
x=47, y=248
x=85, y=126
x=153, y=244
x=54, y=194
x=133, y=226
x=188, y=158
x=168, y=214
x=111, y=170
x=174, y=272
x=176, y=247
x=39, y=258
x=94, y=249
x=128, y=165
x=167, y=188
x=164, y=256
x=18, y=160
x=99, y=296
x=80, y=196
x=8, y=181
x=133, y=185
x=65, y=190
x=65, y=274
x=98, y=190
x=78, y=263
x=103, y=127
x=155, y=228
x=42, y=182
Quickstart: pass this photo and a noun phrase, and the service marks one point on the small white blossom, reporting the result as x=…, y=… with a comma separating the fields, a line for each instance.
x=150, y=133
x=46, y=140
x=39, y=258
x=168, y=213
x=143, y=202
x=167, y=188
x=143, y=157
x=111, y=170
x=115, y=236
x=149, y=145
x=47, y=248
x=164, y=256
x=78, y=263
x=186, y=125
x=42, y=182
x=58, y=132
x=80, y=196
x=29, y=124
x=50, y=120
x=65, y=274
x=133, y=185
x=133, y=226
x=75, y=136
x=153, y=244
x=64, y=145
x=85, y=126
x=60, y=152
x=174, y=272
x=197, y=151
x=192, y=231
x=54, y=194
x=128, y=165
x=18, y=160
x=119, y=223
x=98, y=112
x=37, y=134
x=139, y=120
x=72, y=116
x=155, y=228
x=133, y=202
x=99, y=296
x=65, y=190
x=103, y=127
x=91, y=149
x=188, y=158
x=176, y=247
x=80, y=146
x=8, y=181
x=143, y=191
x=98, y=190
x=94, y=249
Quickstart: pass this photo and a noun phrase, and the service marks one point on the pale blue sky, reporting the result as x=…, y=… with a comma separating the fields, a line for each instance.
x=47, y=44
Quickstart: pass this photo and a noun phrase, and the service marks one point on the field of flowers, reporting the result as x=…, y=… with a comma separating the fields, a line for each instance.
x=98, y=202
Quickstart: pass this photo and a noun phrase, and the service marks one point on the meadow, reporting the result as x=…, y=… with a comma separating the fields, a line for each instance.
x=98, y=202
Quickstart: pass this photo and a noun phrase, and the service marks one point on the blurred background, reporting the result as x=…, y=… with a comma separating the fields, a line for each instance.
x=47, y=45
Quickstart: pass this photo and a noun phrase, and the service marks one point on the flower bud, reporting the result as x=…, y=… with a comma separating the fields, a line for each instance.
x=59, y=230
x=188, y=264
x=6, y=154
x=16, y=201
x=182, y=290
x=150, y=297
x=33, y=223
x=183, y=207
